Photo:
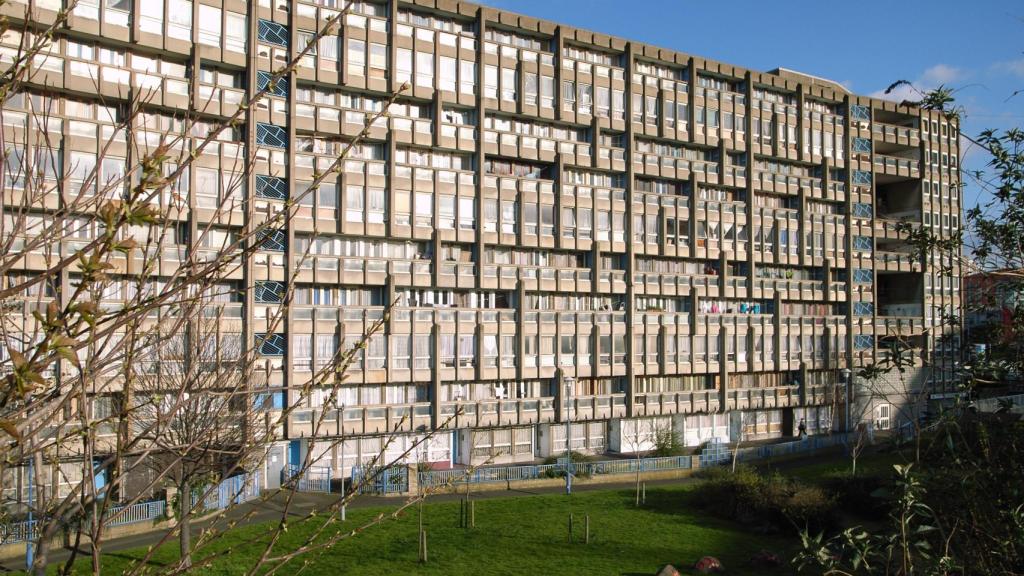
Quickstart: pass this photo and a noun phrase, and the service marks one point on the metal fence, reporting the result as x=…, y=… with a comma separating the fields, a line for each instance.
x=233, y=490
x=15, y=532
x=714, y=453
x=19, y=531
x=807, y=444
x=388, y=480
x=434, y=478
x=138, y=512
x=310, y=479
x=992, y=404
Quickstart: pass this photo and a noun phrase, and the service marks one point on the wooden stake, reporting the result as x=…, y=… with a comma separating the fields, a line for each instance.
x=472, y=513
x=586, y=529
x=423, y=546
x=570, y=528
x=643, y=493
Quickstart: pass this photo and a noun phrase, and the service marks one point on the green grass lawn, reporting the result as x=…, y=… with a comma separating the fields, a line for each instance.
x=521, y=535
x=867, y=464
x=528, y=535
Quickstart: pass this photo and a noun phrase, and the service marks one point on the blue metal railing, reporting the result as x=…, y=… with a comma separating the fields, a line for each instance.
x=312, y=479
x=15, y=532
x=233, y=490
x=434, y=478
x=716, y=453
x=387, y=480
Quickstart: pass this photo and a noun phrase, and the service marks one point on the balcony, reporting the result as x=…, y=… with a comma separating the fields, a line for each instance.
x=897, y=167
x=507, y=276
x=496, y=412
x=675, y=284
x=379, y=419
x=598, y=407
x=787, y=183
x=333, y=269
x=755, y=398
x=897, y=261
x=819, y=395
x=911, y=310
x=789, y=289
x=685, y=402
x=896, y=135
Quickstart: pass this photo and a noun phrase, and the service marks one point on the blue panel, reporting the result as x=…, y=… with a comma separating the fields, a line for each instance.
x=295, y=452
x=271, y=135
x=862, y=243
x=863, y=276
x=863, y=342
x=269, y=292
x=272, y=240
x=862, y=210
x=862, y=177
x=280, y=88
x=862, y=145
x=271, y=344
x=271, y=187
x=272, y=33
x=863, y=309
x=858, y=112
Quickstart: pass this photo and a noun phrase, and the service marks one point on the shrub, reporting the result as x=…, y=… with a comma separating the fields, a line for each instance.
x=577, y=458
x=860, y=495
x=772, y=501
x=667, y=443
x=809, y=505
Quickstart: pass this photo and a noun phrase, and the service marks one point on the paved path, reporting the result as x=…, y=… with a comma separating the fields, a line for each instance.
x=305, y=502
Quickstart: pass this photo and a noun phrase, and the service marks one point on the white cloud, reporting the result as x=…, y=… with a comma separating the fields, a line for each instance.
x=1012, y=67
x=931, y=78
x=941, y=74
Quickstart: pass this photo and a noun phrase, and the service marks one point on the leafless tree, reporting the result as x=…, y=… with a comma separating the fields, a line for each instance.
x=121, y=360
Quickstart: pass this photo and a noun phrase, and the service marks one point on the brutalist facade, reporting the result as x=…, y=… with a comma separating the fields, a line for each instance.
x=581, y=232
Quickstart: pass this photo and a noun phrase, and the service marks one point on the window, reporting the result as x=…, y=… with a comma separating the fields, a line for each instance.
x=509, y=84
x=235, y=31
x=354, y=204
x=329, y=46
x=424, y=69
x=448, y=72
x=209, y=25
x=404, y=65
x=356, y=56
x=490, y=81
x=180, y=15
x=152, y=19
x=883, y=420
x=467, y=77
x=83, y=167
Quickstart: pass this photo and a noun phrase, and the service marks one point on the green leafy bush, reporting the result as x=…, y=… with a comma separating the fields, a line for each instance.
x=577, y=458
x=862, y=495
x=771, y=501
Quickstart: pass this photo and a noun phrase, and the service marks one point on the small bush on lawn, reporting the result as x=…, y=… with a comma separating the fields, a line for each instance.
x=773, y=502
x=577, y=458
x=667, y=443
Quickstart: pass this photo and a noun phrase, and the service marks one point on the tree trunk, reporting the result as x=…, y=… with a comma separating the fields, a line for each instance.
x=185, y=524
x=40, y=560
x=638, y=461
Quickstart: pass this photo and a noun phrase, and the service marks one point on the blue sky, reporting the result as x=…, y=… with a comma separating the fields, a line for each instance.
x=974, y=45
